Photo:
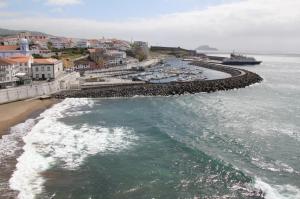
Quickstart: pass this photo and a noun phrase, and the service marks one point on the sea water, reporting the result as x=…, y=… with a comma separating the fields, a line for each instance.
x=228, y=144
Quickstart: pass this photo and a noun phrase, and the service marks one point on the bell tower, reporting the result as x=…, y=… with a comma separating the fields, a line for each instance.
x=24, y=47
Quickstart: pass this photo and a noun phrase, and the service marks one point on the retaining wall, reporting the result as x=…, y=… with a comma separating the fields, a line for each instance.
x=36, y=90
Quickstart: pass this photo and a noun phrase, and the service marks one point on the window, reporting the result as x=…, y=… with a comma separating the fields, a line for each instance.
x=21, y=69
x=49, y=75
x=48, y=68
x=42, y=69
x=37, y=76
x=36, y=69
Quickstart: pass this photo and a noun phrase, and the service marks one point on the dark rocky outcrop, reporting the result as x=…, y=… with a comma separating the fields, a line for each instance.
x=240, y=79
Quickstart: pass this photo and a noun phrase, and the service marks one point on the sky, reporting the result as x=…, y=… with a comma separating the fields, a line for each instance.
x=240, y=25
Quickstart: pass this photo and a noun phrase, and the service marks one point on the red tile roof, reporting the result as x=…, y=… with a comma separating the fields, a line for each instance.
x=6, y=62
x=8, y=48
x=20, y=59
x=45, y=61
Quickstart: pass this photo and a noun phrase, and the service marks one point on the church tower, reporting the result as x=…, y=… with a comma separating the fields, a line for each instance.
x=24, y=47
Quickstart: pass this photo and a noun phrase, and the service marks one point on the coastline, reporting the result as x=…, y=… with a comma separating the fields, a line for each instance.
x=14, y=113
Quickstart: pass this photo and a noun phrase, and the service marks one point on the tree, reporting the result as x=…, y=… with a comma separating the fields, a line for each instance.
x=37, y=56
x=50, y=45
x=140, y=53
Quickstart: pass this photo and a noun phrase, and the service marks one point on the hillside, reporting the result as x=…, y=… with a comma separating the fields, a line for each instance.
x=7, y=32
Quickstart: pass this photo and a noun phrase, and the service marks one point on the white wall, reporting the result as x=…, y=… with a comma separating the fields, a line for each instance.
x=69, y=81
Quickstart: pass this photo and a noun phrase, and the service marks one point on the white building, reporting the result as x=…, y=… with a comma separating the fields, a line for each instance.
x=57, y=43
x=83, y=44
x=60, y=42
x=21, y=50
x=116, y=57
x=42, y=43
x=141, y=44
x=10, y=41
x=23, y=63
x=46, y=69
x=8, y=70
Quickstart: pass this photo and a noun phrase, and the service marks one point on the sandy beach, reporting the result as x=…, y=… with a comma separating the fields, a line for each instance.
x=17, y=112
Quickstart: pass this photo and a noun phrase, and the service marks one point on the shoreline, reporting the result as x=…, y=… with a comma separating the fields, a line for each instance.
x=14, y=113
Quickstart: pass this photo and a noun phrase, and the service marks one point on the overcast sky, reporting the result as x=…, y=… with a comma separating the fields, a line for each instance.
x=245, y=25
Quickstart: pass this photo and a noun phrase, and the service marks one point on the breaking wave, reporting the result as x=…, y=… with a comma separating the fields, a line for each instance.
x=277, y=191
x=52, y=143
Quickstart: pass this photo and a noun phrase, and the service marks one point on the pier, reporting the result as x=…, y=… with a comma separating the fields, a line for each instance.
x=239, y=78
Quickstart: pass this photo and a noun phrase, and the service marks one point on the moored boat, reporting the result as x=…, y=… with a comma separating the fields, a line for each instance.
x=240, y=60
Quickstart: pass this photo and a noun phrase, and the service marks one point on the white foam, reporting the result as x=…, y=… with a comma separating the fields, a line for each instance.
x=53, y=143
x=277, y=191
x=275, y=166
x=10, y=147
x=9, y=143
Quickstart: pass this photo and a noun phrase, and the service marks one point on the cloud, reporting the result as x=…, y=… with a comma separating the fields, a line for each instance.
x=3, y=3
x=63, y=2
x=254, y=25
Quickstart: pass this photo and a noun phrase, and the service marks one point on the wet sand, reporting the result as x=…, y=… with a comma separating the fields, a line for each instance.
x=12, y=114
x=17, y=112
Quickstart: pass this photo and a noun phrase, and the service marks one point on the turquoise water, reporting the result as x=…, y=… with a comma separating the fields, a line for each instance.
x=220, y=145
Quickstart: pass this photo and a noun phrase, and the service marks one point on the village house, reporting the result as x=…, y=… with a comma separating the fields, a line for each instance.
x=116, y=58
x=83, y=44
x=84, y=65
x=32, y=36
x=24, y=65
x=8, y=71
x=107, y=58
x=61, y=43
x=10, y=41
x=42, y=43
x=94, y=43
x=43, y=69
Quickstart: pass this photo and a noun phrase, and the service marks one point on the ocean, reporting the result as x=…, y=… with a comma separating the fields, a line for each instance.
x=227, y=144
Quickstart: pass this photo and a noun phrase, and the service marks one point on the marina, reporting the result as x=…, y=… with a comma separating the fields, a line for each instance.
x=170, y=70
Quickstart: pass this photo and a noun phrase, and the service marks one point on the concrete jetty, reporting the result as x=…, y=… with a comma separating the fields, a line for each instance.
x=240, y=78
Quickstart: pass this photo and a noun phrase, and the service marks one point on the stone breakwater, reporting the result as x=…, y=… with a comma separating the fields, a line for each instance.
x=240, y=79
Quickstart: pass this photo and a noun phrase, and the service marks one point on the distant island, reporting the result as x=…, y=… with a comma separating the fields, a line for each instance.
x=206, y=48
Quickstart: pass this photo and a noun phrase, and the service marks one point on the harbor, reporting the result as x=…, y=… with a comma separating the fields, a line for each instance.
x=233, y=78
x=163, y=71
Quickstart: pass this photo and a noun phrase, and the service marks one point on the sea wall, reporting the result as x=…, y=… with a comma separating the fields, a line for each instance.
x=240, y=79
x=35, y=90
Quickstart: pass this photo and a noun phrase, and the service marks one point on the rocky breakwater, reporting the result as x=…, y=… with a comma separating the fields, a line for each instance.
x=239, y=79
